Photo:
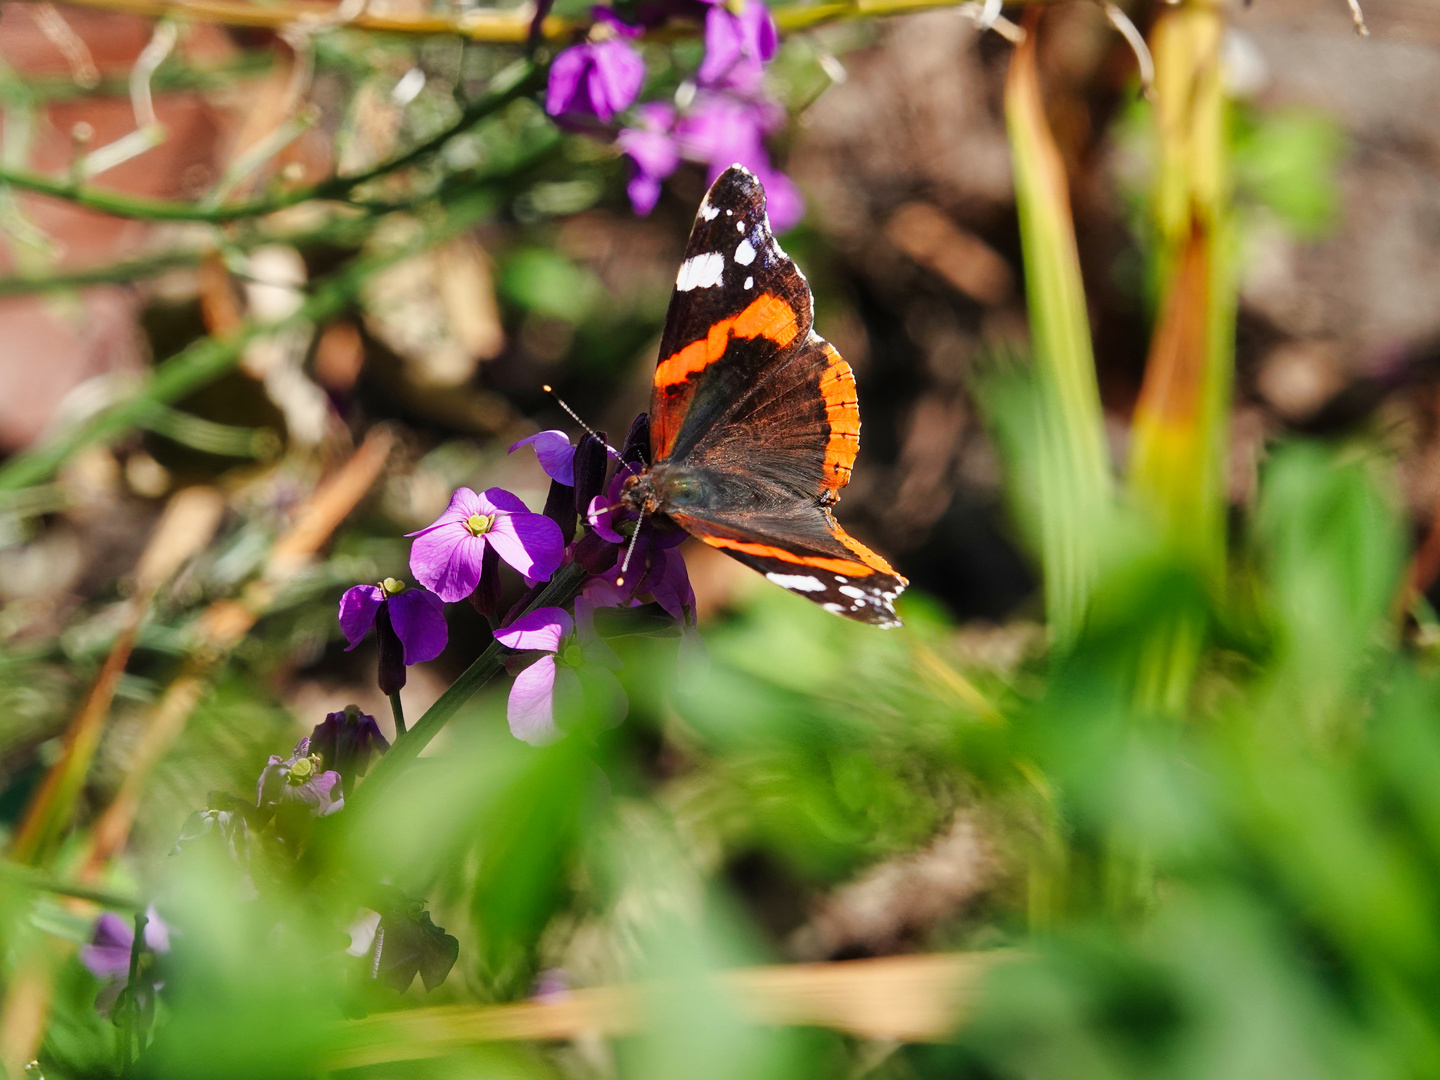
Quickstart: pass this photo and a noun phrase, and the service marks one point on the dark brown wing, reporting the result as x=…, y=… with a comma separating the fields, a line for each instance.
x=742, y=375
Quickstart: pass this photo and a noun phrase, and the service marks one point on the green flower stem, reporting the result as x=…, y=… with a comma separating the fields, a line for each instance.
x=561, y=589
x=28, y=877
x=399, y=714
x=515, y=82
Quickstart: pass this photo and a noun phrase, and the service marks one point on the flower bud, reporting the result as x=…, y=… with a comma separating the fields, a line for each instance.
x=591, y=463
x=637, y=443
x=392, y=653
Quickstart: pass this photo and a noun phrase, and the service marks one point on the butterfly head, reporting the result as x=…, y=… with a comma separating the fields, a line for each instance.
x=662, y=488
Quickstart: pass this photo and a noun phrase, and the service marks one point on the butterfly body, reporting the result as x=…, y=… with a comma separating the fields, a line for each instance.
x=754, y=421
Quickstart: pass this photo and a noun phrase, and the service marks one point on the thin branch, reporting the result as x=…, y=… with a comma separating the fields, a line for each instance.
x=511, y=84
x=77, y=54
x=1136, y=41
x=1359, y=18
x=484, y=25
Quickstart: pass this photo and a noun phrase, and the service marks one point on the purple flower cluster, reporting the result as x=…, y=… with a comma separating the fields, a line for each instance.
x=725, y=116
x=457, y=557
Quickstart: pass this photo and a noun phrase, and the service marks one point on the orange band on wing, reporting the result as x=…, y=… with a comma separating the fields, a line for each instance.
x=838, y=566
x=868, y=557
x=842, y=412
x=767, y=316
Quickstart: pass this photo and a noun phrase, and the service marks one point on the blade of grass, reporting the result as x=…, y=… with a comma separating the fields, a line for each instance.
x=1073, y=469
x=1178, y=466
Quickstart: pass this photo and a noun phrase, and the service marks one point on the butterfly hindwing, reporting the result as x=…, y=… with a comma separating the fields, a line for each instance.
x=834, y=569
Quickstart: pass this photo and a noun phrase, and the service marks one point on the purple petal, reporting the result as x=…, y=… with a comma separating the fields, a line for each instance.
x=531, y=543
x=541, y=629
x=671, y=587
x=326, y=791
x=722, y=132
x=654, y=152
x=463, y=503
x=644, y=192
x=615, y=77
x=611, y=19
x=108, y=953
x=493, y=500
x=557, y=456
x=357, y=612
x=599, y=516
x=566, y=72
x=761, y=34
x=418, y=617
x=447, y=561
x=531, y=710
x=157, y=931
x=724, y=44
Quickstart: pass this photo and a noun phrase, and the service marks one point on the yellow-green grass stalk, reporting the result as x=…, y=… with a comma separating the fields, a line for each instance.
x=1075, y=489
x=1178, y=464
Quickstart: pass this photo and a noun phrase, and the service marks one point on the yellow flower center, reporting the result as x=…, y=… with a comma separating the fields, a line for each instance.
x=302, y=770
x=392, y=586
x=480, y=524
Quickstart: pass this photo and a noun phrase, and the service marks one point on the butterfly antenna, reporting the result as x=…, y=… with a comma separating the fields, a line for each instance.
x=625, y=566
x=576, y=417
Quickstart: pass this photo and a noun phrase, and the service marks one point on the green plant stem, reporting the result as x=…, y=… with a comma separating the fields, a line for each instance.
x=560, y=590
x=517, y=81
x=399, y=714
x=31, y=878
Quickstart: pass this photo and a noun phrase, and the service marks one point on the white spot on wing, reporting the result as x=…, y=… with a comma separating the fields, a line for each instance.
x=798, y=582
x=851, y=590
x=701, y=272
x=749, y=282
x=708, y=212
x=739, y=226
x=745, y=253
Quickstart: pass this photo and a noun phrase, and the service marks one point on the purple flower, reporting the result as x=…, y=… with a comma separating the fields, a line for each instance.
x=447, y=554
x=556, y=455
x=737, y=47
x=657, y=574
x=653, y=151
x=108, y=953
x=108, y=958
x=417, y=616
x=345, y=742
x=531, y=709
x=296, y=791
x=720, y=130
x=598, y=78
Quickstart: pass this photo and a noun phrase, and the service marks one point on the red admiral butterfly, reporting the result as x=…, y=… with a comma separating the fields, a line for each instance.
x=754, y=422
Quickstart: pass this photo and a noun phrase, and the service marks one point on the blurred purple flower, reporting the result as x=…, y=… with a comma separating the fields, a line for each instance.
x=557, y=456
x=417, y=615
x=108, y=953
x=531, y=709
x=719, y=130
x=447, y=554
x=345, y=741
x=108, y=958
x=598, y=78
x=298, y=783
x=653, y=151
x=737, y=47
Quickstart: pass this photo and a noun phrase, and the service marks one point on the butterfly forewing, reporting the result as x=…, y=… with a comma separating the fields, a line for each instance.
x=747, y=395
